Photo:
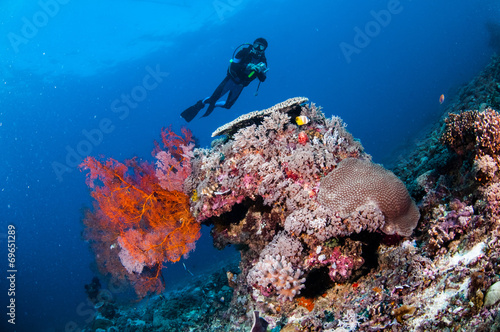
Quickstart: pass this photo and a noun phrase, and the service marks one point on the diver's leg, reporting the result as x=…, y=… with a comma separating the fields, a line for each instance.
x=190, y=113
x=219, y=92
x=209, y=110
x=234, y=93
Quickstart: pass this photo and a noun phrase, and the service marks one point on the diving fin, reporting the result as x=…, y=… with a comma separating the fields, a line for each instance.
x=189, y=113
x=209, y=110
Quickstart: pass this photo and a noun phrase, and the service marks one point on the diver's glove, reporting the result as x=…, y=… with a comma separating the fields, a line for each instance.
x=259, y=68
x=252, y=67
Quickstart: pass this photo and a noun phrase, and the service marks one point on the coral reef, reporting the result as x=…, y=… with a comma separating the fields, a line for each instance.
x=483, y=91
x=330, y=241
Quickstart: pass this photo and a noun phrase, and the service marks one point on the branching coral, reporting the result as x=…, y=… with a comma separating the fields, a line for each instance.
x=276, y=274
x=478, y=135
x=459, y=131
x=487, y=130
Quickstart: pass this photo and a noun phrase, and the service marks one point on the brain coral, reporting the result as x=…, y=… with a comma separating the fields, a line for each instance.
x=356, y=182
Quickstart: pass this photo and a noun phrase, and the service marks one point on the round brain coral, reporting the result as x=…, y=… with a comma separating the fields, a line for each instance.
x=356, y=182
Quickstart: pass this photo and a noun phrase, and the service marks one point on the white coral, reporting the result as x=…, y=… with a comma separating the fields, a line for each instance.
x=284, y=245
x=317, y=223
x=487, y=165
x=349, y=321
x=277, y=272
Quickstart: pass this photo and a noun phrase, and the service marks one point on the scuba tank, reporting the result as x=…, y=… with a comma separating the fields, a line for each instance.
x=234, y=60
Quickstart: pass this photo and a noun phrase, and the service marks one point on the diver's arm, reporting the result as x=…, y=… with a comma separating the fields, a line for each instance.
x=238, y=65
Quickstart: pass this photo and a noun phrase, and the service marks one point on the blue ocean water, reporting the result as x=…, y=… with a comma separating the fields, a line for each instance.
x=73, y=81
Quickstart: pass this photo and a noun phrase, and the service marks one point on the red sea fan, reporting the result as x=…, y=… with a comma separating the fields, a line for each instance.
x=136, y=221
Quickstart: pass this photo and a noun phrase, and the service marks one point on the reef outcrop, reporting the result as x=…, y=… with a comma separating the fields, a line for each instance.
x=330, y=241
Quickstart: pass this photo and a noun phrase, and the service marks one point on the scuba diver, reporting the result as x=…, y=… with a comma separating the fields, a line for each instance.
x=248, y=62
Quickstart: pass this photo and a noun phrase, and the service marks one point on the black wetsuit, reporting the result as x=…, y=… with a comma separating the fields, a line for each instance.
x=238, y=77
x=238, y=68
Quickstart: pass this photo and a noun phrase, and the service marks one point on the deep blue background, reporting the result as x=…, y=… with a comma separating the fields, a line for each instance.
x=65, y=78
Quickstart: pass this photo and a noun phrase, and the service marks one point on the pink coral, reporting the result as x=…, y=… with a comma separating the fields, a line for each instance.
x=173, y=165
x=341, y=266
x=172, y=172
x=341, y=262
x=492, y=195
x=356, y=182
x=275, y=273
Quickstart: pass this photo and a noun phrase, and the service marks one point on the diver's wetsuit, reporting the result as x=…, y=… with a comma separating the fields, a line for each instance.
x=238, y=77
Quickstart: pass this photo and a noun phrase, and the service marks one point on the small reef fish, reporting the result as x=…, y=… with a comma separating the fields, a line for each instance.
x=302, y=120
x=441, y=99
x=222, y=192
x=194, y=198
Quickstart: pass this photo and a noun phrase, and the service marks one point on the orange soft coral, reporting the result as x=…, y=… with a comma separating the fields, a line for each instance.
x=136, y=222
